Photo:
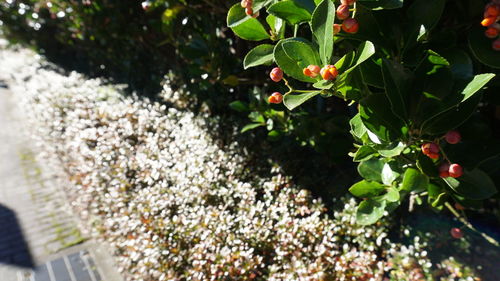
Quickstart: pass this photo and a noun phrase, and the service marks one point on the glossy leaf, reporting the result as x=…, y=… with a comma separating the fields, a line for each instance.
x=391, y=150
x=388, y=175
x=364, y=153
x=289, y=11
x=322, y=28
x=251, y=126
x=475, y=185
x=292, y=101
x=357, y=127
x=397, y=87
x=262, y=54
x=376, y=118
x=239, y=106
x=366, y=189
x=371, y=169
x=244, y=26
x=414, y=181
x=370, y=211
x=290, y=66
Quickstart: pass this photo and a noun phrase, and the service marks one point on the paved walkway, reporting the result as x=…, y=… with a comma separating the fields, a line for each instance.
x=39, y=237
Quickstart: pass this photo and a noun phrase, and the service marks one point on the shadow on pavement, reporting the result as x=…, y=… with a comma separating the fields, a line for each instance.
x=13, y=247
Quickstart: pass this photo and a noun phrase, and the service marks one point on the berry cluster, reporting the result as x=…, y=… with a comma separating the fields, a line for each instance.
x=276, y=75
x=446, y=169
x=328, y=72
x=490, y=21
x=349, y=25
x=247, y=4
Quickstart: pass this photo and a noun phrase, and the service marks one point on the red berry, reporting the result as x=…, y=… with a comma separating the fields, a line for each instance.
x=336, y=28
x=455, y=170
x=433, y=155
x=488, y=21
x=276, y=97
x=347, y=2
x=492, y=10
x=350, y=25
x=452, y=137
x=249, y=11
x=276, y=74
x=456, y=233
x=343, y=12
x=444, y=170
x=329, y=72
x=491, y=32
x=496, y=45
x=430, y=148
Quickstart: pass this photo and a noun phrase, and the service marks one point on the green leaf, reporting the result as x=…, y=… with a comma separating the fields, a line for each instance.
x=370, y=211
x=371, y=169
x=364, y=153
x=451, y=118
x=289, y=11
x=244, y=26
x=414, y=181
x=322, y=28
x=388, y=175
x=364, y=51
x=426, y=12
x=426, y=165
x=290, y=66
x=251, y=126
x=357, y=127
x=302, y=53
x=397, y=83
x=239, y=106
x=460, y=63
x=392, y=195
x=480, y=46
x=372, y=74
x=366, y=189
x=391, y=150
x=473, y=87
x=291, y=101
x=477, y=83
x=475, y=185
x=376, y=118
x=277, y=25
x=262, y=54
x=274, y=135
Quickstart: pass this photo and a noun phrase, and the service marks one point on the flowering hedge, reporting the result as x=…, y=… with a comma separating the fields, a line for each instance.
x=152, y=182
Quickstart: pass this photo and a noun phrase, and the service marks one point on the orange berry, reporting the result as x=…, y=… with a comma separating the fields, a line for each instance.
x=276, y=74
x=336, y=28
x=329, y=72
x=276, y=97
x=496, y=45
x=350, y=25
x=488, y=21
x=491, y=32
x=314, y=69
x=342, y=12
x=307, y=72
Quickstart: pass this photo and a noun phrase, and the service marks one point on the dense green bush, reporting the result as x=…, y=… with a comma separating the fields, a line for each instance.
x=423, y=130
